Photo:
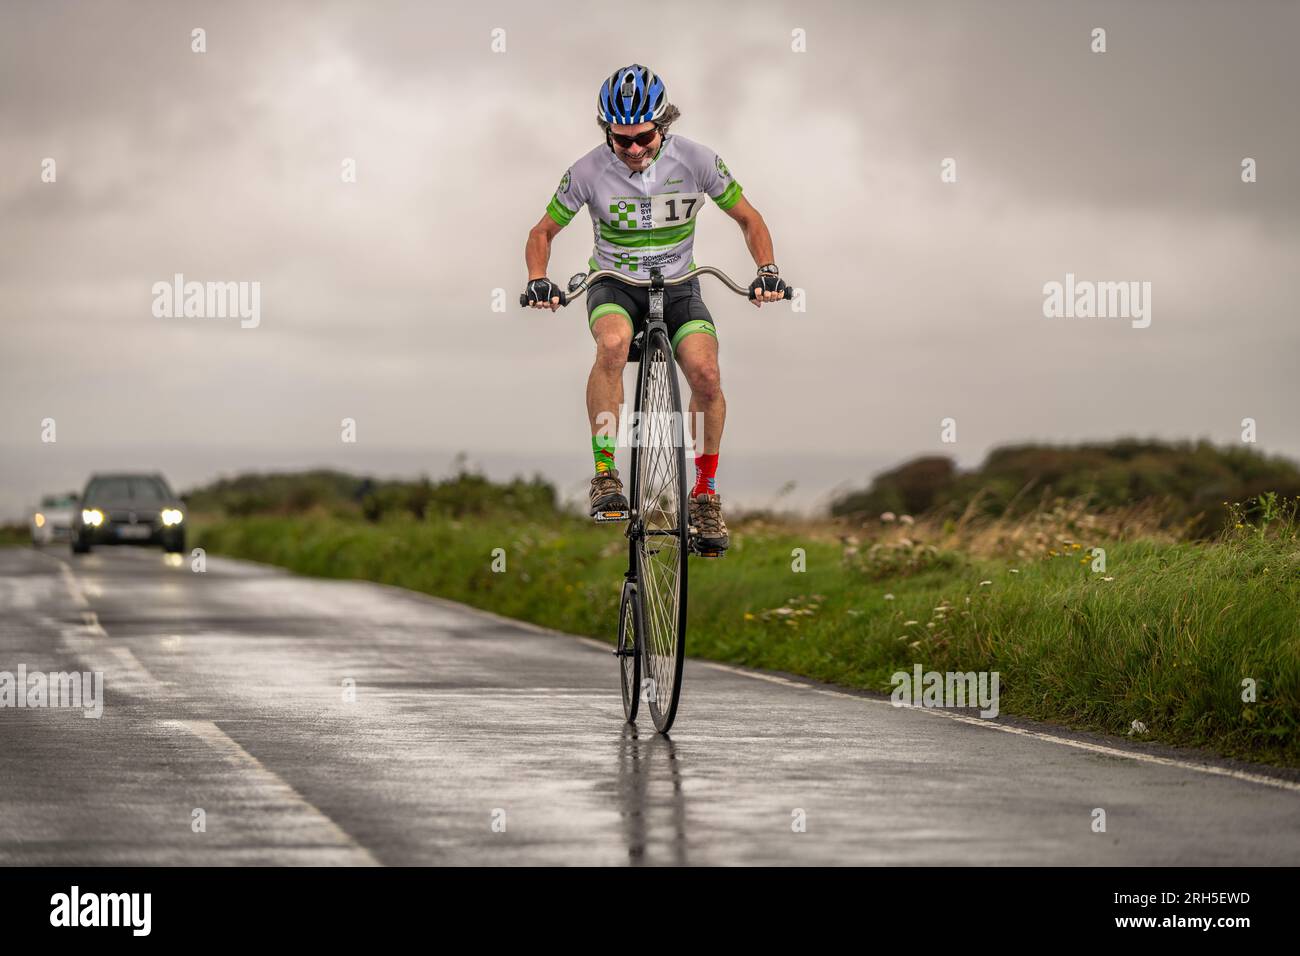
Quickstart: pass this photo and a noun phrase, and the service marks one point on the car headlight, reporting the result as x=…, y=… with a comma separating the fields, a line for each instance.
x=172, y=516
x=40, y=520
x=92, y=516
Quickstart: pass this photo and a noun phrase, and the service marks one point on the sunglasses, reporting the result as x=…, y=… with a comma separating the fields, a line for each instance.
x=645, y=139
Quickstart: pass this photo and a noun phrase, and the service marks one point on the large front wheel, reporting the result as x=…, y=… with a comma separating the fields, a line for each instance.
x=661, y=511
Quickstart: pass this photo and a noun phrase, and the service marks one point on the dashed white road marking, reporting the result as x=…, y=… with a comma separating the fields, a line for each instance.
x=70, y=582
x=89, y=641
x=229, y=749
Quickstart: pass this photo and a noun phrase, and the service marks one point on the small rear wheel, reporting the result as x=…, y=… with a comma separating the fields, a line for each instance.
x=629, y=651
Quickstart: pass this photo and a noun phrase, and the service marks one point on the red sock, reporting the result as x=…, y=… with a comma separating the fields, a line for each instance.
x=706, y=468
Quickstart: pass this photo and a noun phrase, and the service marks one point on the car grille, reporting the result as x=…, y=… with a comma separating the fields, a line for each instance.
x=148, y=519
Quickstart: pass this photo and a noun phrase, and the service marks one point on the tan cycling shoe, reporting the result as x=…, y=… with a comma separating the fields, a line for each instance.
x=607, y=500
x=708, y=530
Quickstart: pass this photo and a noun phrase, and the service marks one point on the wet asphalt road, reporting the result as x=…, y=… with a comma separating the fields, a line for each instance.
x=473, y=739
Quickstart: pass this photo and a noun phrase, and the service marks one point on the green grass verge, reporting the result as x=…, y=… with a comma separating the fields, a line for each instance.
x=1166, y=636
x=14, y=534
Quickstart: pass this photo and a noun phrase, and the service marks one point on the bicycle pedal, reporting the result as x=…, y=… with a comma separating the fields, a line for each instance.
x=701, y=552
x=603, y=516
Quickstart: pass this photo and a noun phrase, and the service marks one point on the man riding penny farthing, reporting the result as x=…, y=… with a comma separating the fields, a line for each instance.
x=644, y=189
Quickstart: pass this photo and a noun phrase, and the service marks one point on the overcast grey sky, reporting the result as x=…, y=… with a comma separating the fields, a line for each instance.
x=924, y=298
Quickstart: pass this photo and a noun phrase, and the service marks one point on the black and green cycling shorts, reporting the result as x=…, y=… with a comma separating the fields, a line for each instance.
x=684, y=308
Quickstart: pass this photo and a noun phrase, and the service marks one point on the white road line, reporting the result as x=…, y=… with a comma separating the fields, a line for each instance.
x=1024, y=732
x=222, y=743
x=70, y=582
x=218, y=740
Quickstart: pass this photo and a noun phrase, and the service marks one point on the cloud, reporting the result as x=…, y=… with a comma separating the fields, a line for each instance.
x=924, y=297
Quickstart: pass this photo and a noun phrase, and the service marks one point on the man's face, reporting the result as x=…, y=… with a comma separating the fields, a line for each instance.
x=637, y=158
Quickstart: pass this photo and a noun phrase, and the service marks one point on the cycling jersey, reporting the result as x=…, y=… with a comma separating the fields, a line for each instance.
x=644, y=219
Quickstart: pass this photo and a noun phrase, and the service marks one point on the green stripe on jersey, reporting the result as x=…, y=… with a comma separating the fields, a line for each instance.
x=559, y=212
x=663, y=236
x=729, y=197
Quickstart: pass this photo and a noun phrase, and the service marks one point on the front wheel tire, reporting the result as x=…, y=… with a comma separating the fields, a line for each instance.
x=630, y=632
x=660, y=509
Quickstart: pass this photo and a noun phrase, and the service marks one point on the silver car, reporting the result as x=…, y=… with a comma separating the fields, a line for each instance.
x=52, y=521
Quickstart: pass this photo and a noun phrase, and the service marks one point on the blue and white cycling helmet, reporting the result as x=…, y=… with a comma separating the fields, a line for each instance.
x=632, y=95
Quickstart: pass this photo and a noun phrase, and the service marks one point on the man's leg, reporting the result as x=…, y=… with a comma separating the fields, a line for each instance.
x=612, y=330
x=613, y=334
x=697, y=354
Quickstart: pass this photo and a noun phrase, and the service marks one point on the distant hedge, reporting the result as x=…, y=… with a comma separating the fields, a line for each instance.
x=344, y=495
x=1188, y=481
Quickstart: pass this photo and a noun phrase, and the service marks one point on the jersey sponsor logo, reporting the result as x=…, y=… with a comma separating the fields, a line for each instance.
x=633, y=212
x=626, y=213
x=635, y=263
x=631, y=262
x=722, y=167
x=662, y=259
x=564, y=183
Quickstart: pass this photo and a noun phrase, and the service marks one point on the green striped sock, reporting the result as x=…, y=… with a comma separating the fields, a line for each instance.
x=602, y=448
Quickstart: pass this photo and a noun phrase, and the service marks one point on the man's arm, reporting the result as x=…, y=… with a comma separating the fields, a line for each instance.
x=537, y=254
x=757, y=238
x=538, y=251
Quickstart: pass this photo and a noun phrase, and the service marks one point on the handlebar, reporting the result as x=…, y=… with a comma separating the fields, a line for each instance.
x=582, y=281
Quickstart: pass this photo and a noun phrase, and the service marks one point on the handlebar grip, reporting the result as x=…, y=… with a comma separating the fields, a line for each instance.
x=523, y=299
x=789, y=293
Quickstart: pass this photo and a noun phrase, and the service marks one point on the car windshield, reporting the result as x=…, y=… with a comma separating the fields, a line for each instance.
x=127, y=489
x=57, y=501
